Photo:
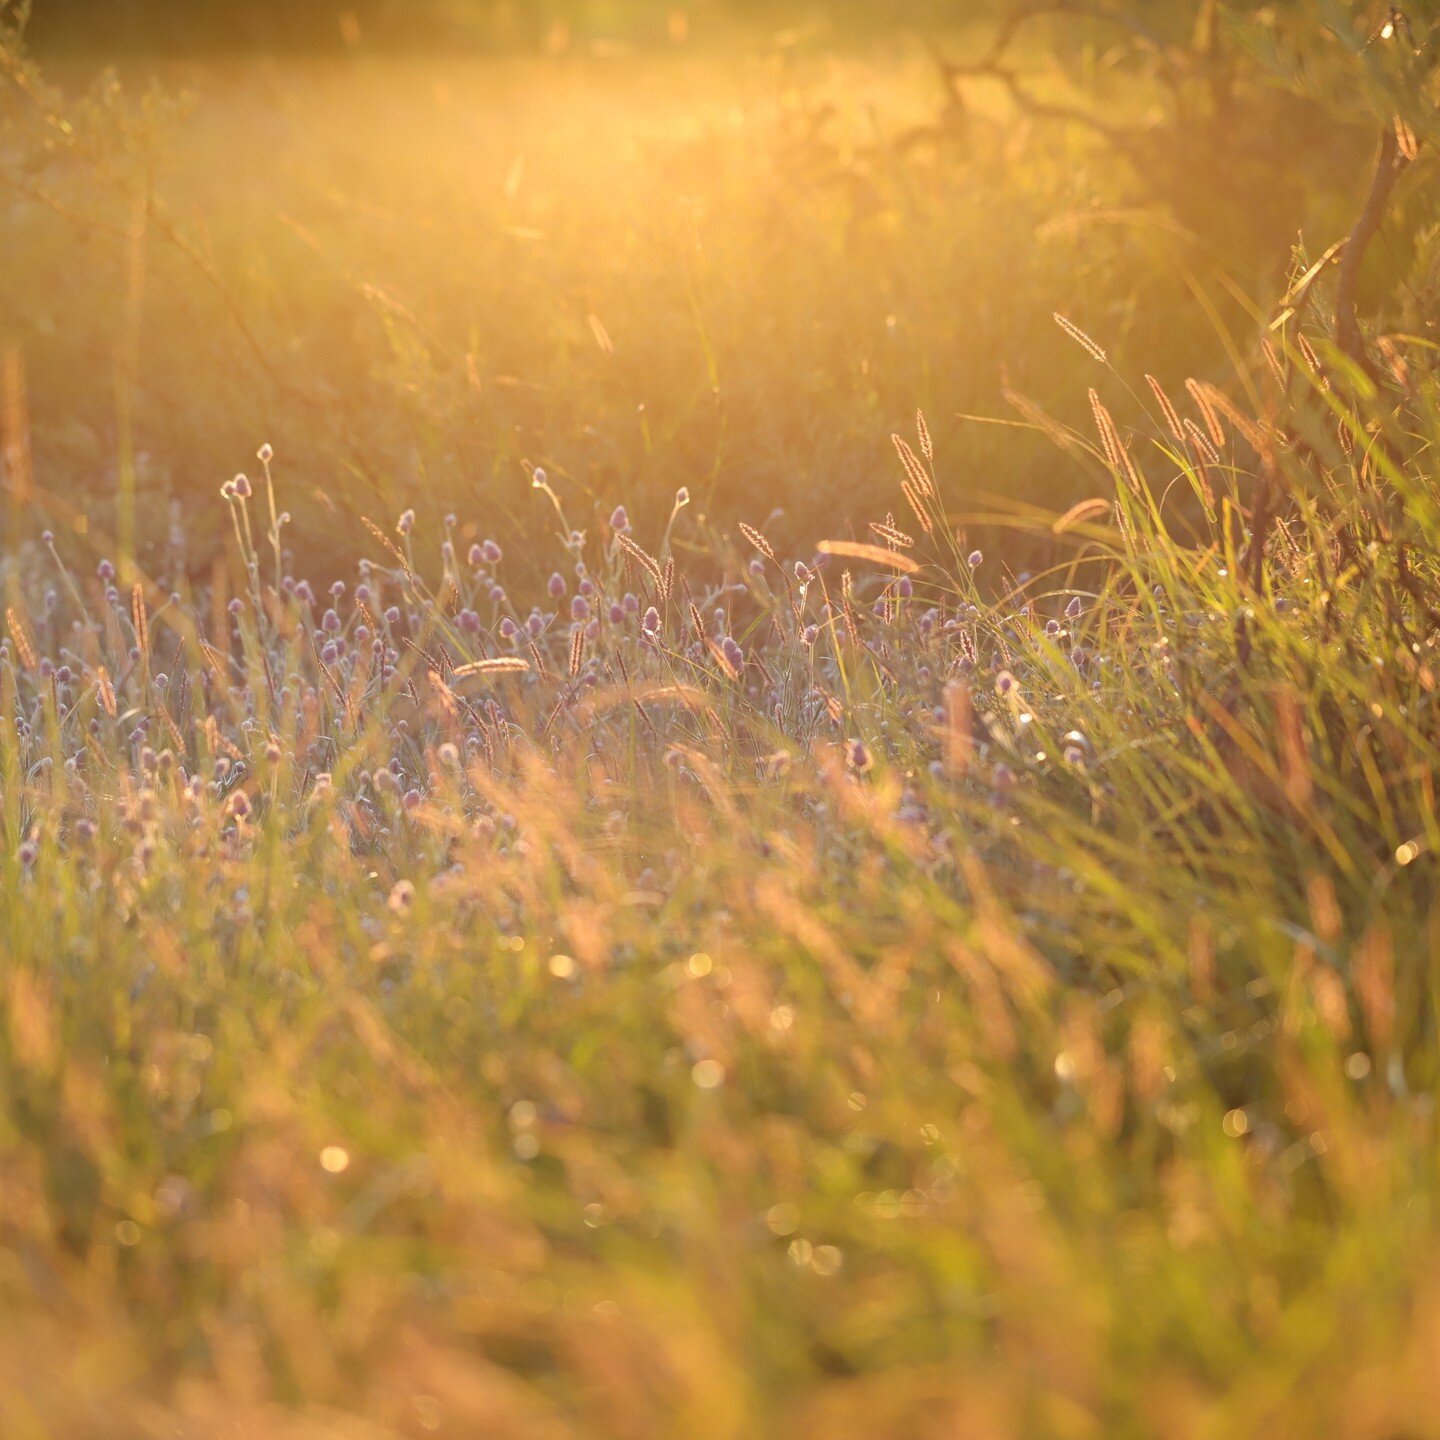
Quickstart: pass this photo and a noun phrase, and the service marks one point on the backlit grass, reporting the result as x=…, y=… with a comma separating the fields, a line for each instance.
x=620, y=882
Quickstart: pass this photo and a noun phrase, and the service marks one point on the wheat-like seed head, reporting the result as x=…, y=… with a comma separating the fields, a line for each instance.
x=1273, y=361
x=757, y=540
x=21, y=637
x=1201, y=398
x=444, y=693
x=1312, y=360
x=1093, y=509
x=1201, y=442
x=858, y=550
x=1109, y=437
x=1172, y=418
x=1256, y=434
x=887, y=532
x=915, y=503
x=502, y=665
x=1092, y=347
x=913, y=468
x=922, y=430
x=646, y=561
x=141, y=621
x=106, y=692
x=1116, y=454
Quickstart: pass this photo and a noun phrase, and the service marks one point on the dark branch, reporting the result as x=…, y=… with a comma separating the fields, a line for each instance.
x=1389, y=162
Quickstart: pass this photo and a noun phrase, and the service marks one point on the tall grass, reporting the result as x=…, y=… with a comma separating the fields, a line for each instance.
x=725, y=922
x=858, y=993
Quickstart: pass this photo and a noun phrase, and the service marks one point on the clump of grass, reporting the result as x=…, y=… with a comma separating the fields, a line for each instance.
x=864, y=992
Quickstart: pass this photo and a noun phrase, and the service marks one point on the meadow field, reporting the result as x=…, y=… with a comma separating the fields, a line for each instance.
x=722, y=725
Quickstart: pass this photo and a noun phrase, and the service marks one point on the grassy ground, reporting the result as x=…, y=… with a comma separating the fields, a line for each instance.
x=571, y=971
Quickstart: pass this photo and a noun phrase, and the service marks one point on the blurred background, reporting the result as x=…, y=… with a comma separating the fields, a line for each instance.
x=420, y=246
x=201, y=26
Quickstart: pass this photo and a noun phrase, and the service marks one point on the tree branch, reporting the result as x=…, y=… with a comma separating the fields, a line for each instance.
x=1389, y=162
